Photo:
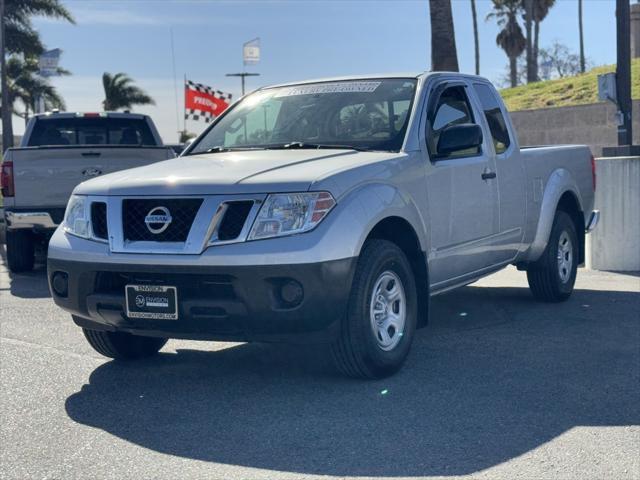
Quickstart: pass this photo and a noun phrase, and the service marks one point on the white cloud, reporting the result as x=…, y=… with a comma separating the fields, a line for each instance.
x=117, y=16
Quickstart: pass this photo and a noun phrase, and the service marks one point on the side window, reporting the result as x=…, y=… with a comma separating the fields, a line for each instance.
x=453, y=108
x=493, y=114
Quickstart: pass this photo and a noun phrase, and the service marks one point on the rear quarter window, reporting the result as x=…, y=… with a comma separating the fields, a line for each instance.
x=53, y=131
x=494, y=116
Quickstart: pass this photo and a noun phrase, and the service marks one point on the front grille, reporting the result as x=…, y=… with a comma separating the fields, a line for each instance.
x=234, y=219
x=182, y=211
x=99, y=220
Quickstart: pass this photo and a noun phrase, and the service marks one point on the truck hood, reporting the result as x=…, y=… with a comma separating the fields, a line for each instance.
x=241, y=172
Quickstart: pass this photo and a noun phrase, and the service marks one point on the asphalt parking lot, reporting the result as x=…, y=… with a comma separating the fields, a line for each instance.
x=497, y=386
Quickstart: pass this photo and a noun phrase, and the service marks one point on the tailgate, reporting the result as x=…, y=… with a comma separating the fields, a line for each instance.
x=45, y=177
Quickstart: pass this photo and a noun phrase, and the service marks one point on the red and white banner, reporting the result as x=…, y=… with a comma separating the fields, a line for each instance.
x=202, y=102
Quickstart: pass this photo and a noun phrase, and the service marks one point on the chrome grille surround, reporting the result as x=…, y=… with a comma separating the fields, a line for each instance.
x=203, y=232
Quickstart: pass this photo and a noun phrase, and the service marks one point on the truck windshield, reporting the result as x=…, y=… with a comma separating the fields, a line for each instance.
x=359, y=114
x=50, y=131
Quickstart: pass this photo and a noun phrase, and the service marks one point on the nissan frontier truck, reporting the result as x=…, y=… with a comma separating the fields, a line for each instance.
x=323, y=211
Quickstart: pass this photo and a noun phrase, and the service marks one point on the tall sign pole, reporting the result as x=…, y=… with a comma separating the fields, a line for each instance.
x=623, y=72
x=242, y=76
x=250, y=56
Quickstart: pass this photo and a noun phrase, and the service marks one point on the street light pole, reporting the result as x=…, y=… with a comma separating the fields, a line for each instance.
x=623, y=72
x=242, y=77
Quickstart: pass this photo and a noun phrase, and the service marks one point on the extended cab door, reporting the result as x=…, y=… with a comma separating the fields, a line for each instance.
x=461, y=189
x=509, y=170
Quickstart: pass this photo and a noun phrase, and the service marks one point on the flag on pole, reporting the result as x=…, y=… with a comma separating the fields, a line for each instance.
x=202, y=102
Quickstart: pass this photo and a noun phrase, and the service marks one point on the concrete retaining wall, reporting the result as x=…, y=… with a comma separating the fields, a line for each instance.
x=615, y=243
x=592, y=125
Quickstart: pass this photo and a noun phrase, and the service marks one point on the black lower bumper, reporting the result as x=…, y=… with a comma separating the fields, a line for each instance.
x=238, y=303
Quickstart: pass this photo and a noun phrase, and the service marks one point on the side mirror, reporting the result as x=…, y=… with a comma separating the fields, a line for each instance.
x=459, y=137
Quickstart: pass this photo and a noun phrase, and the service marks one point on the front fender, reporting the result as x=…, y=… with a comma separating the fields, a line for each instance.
x=373, y=202
x=560, y=182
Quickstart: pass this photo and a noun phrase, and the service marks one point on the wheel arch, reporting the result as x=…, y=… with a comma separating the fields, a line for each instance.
x=561, y=192
x=399, y=231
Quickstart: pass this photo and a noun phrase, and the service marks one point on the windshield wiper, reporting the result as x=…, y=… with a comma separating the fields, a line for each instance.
x=220, y=149
x=315, y=146
x=217, y=149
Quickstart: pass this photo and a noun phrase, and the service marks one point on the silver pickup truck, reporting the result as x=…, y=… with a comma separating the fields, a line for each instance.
x=59, y=151
x=323, y=211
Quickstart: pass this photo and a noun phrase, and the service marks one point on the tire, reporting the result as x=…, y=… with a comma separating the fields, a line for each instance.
x=552, y=277
x=360, y=350
x=123, y=346
x=20, y=250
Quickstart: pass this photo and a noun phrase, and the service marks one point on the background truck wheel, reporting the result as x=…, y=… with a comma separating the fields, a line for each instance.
x=376, y=334
x=123, y=346
x=20, y=250
x=552, y=277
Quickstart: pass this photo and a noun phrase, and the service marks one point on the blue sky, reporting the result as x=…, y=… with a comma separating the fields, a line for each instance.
x=300, y=39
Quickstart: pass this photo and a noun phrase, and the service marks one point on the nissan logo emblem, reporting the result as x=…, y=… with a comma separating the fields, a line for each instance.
x=158, y=220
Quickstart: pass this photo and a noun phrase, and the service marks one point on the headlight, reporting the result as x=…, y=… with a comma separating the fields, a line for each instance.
x=289, y=213
x=76, y=217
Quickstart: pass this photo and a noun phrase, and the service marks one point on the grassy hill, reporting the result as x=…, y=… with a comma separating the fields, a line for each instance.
x=578, y=90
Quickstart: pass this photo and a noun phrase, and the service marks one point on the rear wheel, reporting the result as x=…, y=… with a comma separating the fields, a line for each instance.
x=552, y=277
x=123, y=346
x=376, y=334
x=20, y=250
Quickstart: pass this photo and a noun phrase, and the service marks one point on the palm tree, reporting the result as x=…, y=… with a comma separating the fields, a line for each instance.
x=528, y=24
x=120, y=93
x=26, y=85
x=510, y=38
x=443, y=41
x=474, y=16
x=19, y=36
x=540, y=11
x=582, y=61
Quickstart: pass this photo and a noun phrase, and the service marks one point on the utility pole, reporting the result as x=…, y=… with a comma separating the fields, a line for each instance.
x=7, y=130
x=623, y=72
x=242, y=77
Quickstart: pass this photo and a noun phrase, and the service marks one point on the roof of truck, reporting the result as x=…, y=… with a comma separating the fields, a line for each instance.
x=348, y=78
x=371, y=77
x=57, y=114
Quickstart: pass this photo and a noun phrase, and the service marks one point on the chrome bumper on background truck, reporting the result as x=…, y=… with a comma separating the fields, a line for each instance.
x=234, y=303
x=33, y=219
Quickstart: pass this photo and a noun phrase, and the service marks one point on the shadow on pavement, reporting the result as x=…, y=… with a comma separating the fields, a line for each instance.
x=28, y=284
x=493, y=376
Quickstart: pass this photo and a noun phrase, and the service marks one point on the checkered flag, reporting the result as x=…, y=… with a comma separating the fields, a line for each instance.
x=204, y=103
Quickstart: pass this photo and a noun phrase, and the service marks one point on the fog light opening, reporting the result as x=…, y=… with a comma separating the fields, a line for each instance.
x=60, y=284
x=291, y=293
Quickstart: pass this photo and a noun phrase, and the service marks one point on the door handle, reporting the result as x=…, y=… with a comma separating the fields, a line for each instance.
x=488, y=175
x=91, y=154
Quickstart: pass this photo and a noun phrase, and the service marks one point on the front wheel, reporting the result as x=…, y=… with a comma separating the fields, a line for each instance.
x=123, y=346
x=552, y=277
x=376, y=334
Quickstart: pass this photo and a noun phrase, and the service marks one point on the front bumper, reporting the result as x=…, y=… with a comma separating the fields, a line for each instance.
x=235, y=303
